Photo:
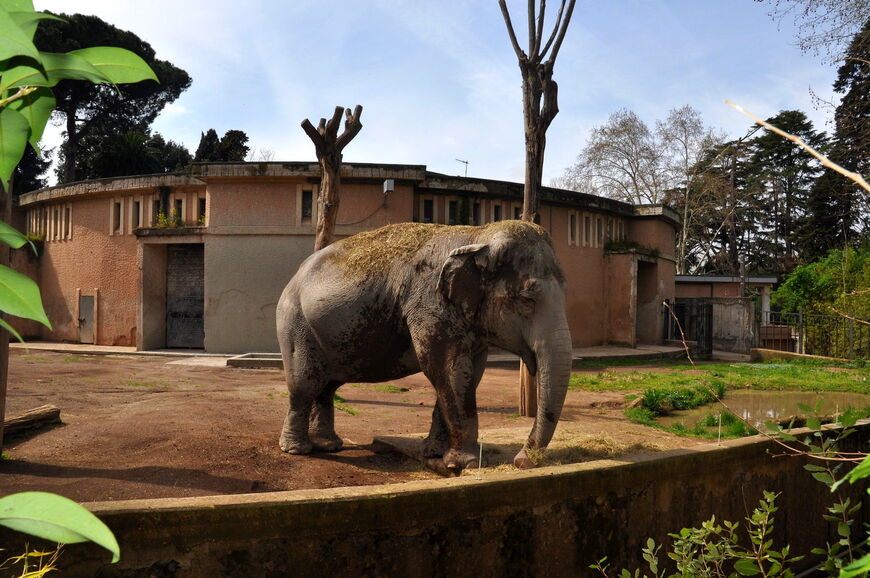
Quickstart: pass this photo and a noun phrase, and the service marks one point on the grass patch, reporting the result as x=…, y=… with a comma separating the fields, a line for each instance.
x=678, y=386
x=391, y=388
x=809, y=375
x=662, y=401
x=72, y=358
x=134, y=383
x=341, y=405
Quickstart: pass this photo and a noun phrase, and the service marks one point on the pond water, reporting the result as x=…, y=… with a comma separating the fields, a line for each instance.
x=758, y=407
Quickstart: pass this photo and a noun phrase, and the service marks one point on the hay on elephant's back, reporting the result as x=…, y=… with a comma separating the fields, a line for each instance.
x=374, y=251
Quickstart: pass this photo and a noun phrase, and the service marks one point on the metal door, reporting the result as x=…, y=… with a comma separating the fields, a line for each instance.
x=185, y=275
x=86, y=318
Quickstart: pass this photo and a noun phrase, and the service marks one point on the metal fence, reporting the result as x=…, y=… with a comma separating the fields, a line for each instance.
x=815, y=334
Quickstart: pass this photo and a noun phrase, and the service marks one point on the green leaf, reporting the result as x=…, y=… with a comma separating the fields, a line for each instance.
x=814, y=423
x=11, y=330
x=14, y=40
x=55, y=67
x=36, y=107
x=857, y=567
x=117, y=64
x=14, y=130
x=27, y=20
x=844, y=530
x=19, y=296
x=18, y=5
x=805, y=408
x=824, y=477
x=746, y=567
x=12, y=236
x=57, y=519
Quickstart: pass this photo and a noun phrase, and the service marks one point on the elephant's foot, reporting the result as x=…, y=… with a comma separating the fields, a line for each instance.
x=292, y=446
x=457, y=460
x=523, y=461
x=331, y=443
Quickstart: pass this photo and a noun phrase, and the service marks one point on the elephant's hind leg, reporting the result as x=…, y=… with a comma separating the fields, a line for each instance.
x=322, y=425
x=302, y=391
x=294, y=435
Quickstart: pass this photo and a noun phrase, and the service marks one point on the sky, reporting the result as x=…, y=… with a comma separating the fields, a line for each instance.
x=439, y=81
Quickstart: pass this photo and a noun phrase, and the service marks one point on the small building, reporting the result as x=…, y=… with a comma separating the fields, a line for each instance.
x=199, y=259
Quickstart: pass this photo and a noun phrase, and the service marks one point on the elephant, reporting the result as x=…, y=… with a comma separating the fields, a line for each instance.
x=410, y=297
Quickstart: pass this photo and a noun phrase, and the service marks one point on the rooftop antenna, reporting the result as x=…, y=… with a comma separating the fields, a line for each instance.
x=466, y=166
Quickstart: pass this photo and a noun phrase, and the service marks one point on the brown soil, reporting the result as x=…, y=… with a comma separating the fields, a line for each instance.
x=151, y=427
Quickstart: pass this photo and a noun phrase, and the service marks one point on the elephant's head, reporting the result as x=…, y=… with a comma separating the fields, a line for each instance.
x=509, y=281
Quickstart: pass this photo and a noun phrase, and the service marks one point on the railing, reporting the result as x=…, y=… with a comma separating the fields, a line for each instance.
x=815, y=334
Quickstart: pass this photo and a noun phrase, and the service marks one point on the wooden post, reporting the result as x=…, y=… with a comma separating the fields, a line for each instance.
x=328, y=145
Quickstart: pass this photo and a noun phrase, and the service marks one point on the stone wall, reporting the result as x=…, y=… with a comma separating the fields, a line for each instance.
x=549, y=522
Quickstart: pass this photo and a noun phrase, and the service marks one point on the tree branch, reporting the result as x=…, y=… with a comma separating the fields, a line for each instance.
x=562, y=30
x=352, y=126
x=510, y=28
x=820, y=157
x=555, y=29
x=539, y=33
x=531, y=14
x=334, y=122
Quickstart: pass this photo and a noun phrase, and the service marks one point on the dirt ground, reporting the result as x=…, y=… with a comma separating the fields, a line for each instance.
x=152, y=427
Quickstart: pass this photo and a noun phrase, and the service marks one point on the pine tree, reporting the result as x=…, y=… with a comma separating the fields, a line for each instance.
x=208, y=149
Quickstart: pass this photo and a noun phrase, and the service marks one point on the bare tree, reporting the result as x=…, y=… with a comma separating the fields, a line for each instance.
x=622, y=160
x=823, y=26
x=262, y=154
x=684, y=138
x=540, y=91
x=328, y=145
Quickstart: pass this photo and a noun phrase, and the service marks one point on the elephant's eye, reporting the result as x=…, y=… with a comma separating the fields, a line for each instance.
x=531, y=289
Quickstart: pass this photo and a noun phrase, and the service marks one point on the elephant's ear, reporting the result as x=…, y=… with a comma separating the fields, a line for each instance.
x=460, y=278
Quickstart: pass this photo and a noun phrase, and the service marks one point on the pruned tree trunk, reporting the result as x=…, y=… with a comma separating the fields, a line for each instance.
x=328, y=145
x=540, y=107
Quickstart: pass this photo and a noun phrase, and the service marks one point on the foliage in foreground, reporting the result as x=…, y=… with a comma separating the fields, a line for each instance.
x=716, y=549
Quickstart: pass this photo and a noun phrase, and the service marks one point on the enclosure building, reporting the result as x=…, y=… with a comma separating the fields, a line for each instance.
x=198, y=259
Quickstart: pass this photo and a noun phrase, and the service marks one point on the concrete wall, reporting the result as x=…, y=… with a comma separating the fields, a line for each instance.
x=549, y=522
x=91, y=260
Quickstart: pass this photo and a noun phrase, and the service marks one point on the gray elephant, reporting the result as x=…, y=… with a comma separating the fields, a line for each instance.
x=420, y=297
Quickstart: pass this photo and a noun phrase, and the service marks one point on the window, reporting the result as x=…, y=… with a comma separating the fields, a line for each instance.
x=428, y=211
x=572, y=229
x=518, y=213
x=179, y=211
x=67, y=220
x=587, y=230
x=452, y=212
x=116, y=217
x=135, y=215
x=155, y=212
x=496, y=213
x=475, y=215
x=200, y=211
x=599, y=230
x=307, y=206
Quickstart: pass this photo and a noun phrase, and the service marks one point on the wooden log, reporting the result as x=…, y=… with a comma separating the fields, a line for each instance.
x=33, y=418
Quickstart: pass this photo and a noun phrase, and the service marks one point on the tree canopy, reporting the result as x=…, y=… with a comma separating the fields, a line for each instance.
x=232, y=147
x=94, y=112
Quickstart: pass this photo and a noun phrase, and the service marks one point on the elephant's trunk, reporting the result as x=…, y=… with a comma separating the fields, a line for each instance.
x=553, y=353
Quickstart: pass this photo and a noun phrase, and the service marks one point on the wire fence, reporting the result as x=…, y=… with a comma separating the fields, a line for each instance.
x=815, y=334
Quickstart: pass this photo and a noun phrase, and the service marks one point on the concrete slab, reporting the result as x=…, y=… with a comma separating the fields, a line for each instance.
x=199, y=361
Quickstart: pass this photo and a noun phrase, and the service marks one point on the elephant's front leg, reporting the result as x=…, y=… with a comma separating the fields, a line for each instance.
x=451, y=376
x=436, y=443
